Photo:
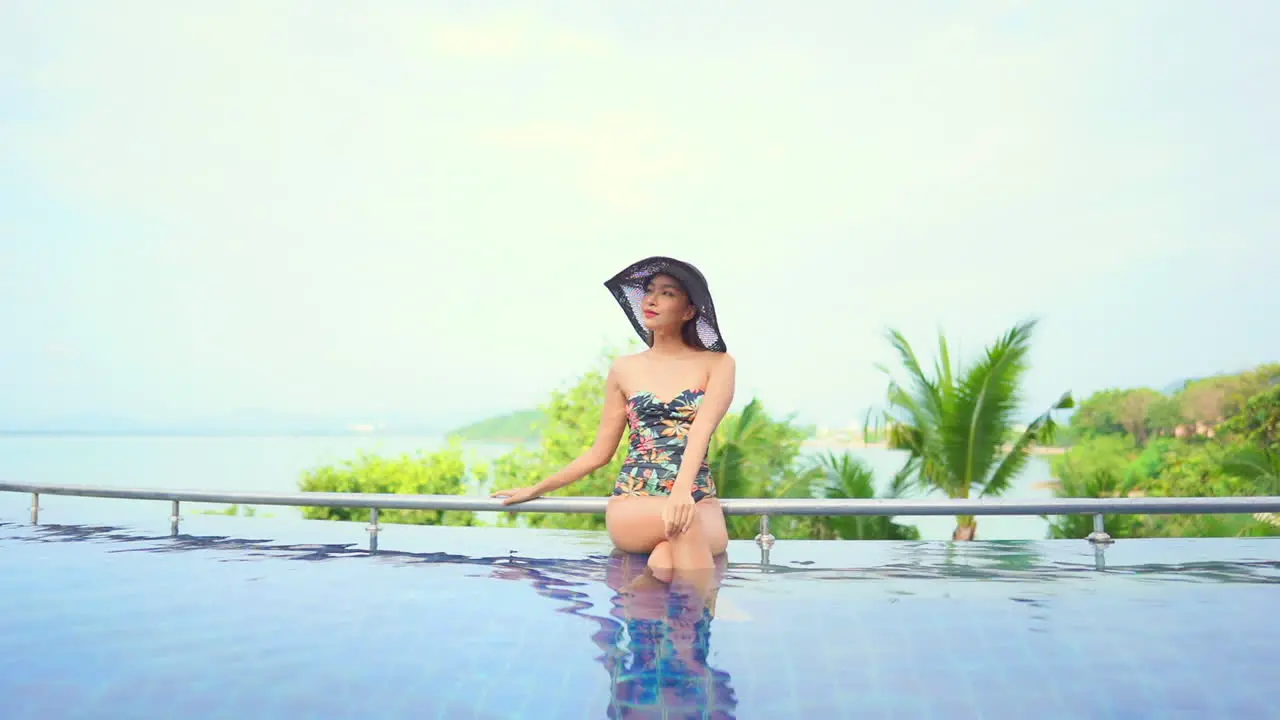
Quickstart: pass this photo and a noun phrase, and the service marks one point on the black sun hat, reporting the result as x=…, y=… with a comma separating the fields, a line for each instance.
x=628, y=287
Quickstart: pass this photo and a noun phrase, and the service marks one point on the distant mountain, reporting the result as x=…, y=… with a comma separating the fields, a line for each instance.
x=87, y=424
x=1174, y=388
x=264, y=422
x=519, y=426
x=251, y=422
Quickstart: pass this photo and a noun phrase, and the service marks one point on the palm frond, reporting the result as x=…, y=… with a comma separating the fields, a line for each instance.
x=1259, y=467
x=945, y=377
x=905, y=437
x=899, y=398
x=1016, y=459
x=899, y=487
x=926, y=389
x=910, y=475
x=799, y=483
x=846, y=477
x=984, y=404
x=1013, y=463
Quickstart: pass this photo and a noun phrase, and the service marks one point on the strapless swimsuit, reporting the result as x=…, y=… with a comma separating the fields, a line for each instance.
x=659, y=434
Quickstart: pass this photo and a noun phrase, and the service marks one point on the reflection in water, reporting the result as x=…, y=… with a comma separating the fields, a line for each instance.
x=999, y=560
x=655, y=641
x=664, y=632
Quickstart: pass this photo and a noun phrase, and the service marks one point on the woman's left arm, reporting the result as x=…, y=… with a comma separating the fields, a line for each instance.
x=715, y=403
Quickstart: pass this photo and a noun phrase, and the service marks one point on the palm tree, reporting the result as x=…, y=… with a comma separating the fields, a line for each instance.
x=753, y=455
x=847, y=477
x=953, y=425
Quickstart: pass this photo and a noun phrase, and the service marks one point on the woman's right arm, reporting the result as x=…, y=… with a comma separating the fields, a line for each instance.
x=613, y=420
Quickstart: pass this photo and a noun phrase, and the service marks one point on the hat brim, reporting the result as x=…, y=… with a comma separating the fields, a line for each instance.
x=627, y=287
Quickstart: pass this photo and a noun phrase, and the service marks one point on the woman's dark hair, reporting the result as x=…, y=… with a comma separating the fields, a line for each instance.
x=688, y=331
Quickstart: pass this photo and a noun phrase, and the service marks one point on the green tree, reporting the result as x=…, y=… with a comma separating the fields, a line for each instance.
x=1140, y=412
x=753, y=455
x=1213, y=399
x=1113, y=466
x=570, y=419
x=1099, y=414
x=1242, y=460
x=953, y=423
x=1254, y=432
x=1258, y=422
x=1133, y=412
x=1164, y=415
x=443, y=472
x=1098, y=467
x=846, y=477
x=1198, y=470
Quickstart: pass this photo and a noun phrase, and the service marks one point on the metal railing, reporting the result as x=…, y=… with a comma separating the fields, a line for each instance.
x=763, y=507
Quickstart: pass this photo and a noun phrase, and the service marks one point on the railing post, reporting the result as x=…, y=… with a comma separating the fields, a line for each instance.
x=764, y=540
x=174, y=519
x=35, y=508
x=1099, y=534
x=373, y=530
x=1099, y=556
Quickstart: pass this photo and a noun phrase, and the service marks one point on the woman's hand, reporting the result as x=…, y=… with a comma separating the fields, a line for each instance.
x=678, y=514
x=511, y=496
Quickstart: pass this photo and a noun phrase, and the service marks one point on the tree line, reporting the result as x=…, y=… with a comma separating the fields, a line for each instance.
x=1216, y=436
x=956, y=423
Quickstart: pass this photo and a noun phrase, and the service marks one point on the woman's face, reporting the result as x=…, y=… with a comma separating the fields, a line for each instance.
x=665, y=304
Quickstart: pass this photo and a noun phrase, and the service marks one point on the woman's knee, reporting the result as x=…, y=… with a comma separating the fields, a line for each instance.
x=661, y=563
x=635, y=525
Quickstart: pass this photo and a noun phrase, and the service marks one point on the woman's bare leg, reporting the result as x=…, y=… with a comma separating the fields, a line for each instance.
x=635, y=525
x=711, y=515
x=661, y=562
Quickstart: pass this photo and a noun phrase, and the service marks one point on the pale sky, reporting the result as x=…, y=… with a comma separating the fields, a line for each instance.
x=411, y=207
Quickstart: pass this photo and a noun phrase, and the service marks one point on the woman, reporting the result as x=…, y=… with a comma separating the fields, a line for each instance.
x=672, y=396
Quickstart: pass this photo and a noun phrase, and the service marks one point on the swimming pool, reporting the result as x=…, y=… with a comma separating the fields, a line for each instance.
x=242, y=617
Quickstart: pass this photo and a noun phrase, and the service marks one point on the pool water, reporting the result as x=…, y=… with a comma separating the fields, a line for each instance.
x=252, y=618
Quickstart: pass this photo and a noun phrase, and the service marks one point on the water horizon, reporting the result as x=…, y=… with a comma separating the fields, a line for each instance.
x=277, y=463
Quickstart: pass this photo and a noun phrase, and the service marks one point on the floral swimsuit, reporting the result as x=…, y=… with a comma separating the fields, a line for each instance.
x=659, y=434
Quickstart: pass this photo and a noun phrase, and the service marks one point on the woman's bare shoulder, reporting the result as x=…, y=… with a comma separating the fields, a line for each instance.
x=626, y=362
x=719, y=362
x=624, y=366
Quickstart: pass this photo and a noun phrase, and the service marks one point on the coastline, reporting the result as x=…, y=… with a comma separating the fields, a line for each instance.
x=833, y=444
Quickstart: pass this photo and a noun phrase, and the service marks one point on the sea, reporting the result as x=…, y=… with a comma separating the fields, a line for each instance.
x=277, y=464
